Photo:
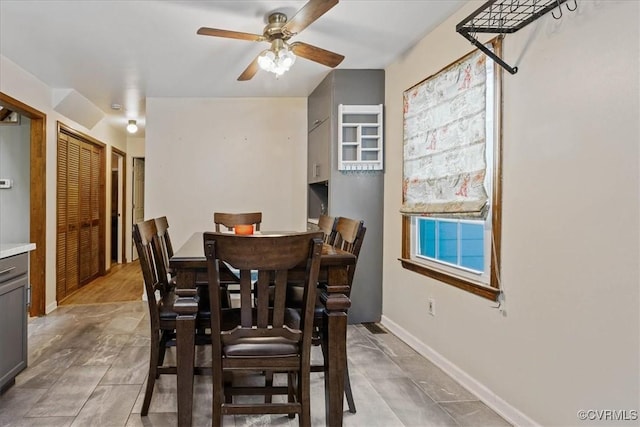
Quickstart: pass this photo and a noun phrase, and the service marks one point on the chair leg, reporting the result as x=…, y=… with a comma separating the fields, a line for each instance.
x=347, y=390
x=162, y=349
x=290, y=391
x=228, y=383
x=219, y=384
x=153, y=372
x=304, y=398
x=347, y=382
x=268, y=384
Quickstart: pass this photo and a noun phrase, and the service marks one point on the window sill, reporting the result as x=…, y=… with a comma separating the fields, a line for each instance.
x=476, y=289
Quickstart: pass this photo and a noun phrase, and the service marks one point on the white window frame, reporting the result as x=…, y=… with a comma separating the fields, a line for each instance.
x=480, y=277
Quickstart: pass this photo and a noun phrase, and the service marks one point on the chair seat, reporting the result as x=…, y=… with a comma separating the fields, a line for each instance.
x=261, y=347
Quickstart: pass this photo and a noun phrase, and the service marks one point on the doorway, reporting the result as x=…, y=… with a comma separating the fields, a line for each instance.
x=138, y=196
x=37, y=199
x=118, y=174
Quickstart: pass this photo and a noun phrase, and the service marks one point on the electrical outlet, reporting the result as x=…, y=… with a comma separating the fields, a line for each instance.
x=431, y=307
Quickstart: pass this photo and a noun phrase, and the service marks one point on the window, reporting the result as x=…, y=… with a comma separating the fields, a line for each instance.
x=451, y=184
x=452, y=242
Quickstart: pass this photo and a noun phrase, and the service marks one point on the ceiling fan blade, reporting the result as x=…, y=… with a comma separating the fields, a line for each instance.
x=311, y=11
x=316, y=54
x=250, y=71
x=204, y=31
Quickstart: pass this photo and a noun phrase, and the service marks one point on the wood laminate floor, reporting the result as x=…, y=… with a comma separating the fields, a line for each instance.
x=122, y=283
x=88, y=363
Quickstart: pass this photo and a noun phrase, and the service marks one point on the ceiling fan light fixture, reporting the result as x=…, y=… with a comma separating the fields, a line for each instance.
x=287, y=58
x=266, y=60
x=279, y=58
x=132, y=127
x=277, y=61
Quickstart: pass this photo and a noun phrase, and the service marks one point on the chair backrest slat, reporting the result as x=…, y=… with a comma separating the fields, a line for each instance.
x=245, y=298
x=279, y=296
x=230, y=220
x=262, y=303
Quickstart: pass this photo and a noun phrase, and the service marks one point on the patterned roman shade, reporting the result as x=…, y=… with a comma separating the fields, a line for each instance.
x=446, y=118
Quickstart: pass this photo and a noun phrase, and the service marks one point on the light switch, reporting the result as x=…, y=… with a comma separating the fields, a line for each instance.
x=6, y=183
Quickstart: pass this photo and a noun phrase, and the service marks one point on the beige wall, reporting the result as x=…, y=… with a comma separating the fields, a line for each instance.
x=23, y=86
x=569, y=336
x=228, y=154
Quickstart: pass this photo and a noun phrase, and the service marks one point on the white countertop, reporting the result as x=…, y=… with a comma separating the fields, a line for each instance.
x=10, y=249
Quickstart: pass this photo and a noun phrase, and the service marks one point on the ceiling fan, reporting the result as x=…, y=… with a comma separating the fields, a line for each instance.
x=281, y=55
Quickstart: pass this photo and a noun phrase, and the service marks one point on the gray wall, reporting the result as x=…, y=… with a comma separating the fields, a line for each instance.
x=360, y=195
x=357, y=195
x=14, y=164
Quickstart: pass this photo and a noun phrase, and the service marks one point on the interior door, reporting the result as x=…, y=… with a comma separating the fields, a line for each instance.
x=85, y=213
x=138, y=196
x=90, y=172
x=67, y=216
x=117, y=206
x=94, y=216
x=80, y=188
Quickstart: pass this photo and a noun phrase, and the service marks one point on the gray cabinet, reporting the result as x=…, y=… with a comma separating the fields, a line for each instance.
x=319, y=105
x=318, y=153
x=13, y=317
x=353, y=194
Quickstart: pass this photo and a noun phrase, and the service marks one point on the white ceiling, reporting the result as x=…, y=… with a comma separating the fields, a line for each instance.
x=115, y=51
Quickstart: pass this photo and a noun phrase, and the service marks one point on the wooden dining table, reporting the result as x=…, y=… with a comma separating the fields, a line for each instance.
x=190, y=265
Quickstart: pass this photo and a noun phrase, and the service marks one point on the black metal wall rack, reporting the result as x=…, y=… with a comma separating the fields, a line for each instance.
x=506, y=17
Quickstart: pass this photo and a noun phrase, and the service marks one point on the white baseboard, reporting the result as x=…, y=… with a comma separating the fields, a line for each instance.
x=48, y=309
x=489, y=398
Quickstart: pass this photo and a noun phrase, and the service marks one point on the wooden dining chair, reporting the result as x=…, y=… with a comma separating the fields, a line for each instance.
x=161, y=313
x=230, y=220
x=348, y=236
x=327, y=224
x=269, y=336
x=227, y=222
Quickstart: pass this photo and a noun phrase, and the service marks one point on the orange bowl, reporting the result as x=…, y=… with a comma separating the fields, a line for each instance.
x=244, y=229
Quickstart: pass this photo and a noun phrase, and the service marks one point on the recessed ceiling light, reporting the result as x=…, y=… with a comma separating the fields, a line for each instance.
x=116, y=106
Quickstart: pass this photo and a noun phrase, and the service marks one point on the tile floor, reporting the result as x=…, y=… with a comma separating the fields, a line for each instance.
x=88, y=363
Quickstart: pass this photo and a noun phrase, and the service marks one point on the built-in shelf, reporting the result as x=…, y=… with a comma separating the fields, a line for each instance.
x=360, y=137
